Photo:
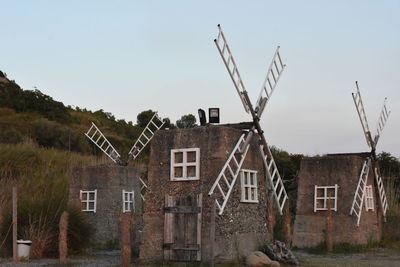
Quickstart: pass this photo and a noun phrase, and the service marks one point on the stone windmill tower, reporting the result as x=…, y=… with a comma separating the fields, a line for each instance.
x=346, y=187
x=205, y=197
x=106, y=192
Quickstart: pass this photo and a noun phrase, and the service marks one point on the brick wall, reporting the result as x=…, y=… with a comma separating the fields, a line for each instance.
x=343, y=170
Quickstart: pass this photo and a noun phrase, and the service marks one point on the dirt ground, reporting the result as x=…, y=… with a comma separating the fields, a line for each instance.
x=377, y=257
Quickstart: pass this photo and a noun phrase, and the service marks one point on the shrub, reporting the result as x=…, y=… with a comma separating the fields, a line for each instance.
x=11, y=136
x=79, y=230
x=51, y=134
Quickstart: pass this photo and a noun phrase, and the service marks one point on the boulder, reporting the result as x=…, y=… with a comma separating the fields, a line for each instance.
x=279, y=252
x=259, y=259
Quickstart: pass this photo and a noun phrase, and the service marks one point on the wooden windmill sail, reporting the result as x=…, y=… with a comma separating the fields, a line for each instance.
x=98, y=138
x=370, y=162
x=223, y=185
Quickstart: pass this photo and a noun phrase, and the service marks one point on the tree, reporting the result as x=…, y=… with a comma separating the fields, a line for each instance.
x=389, y=165
x=168, y=124
x=144, y=117
x=186, y=121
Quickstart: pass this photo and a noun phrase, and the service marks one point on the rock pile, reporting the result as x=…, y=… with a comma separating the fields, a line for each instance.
x=279, y=252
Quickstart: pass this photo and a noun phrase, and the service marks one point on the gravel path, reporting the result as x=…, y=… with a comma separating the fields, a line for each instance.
x=377, y=257
x=94, y=259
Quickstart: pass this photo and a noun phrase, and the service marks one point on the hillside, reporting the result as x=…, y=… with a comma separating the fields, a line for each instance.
x=32, y=115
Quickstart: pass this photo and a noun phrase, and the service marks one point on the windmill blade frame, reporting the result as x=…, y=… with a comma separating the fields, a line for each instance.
x=362, y=116
x=230, y=64
x=272, y=77
x=273, y=177
x=98, y=138
x=383, y=117
x=147, y=134
x=229, y=173
x=381, y=191
x=359, y=195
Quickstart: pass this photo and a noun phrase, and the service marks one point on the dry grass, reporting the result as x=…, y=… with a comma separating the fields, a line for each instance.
x=41, y=176
x=391, y=229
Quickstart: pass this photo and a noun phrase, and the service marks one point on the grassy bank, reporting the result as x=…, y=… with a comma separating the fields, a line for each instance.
x=41, y=176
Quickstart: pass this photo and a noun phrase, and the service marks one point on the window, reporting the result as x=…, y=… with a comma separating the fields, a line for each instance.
x=248, y=181
x=324, y=197
x=369, y=199
x=88, y=200
x=128, y=201
x=185, y=164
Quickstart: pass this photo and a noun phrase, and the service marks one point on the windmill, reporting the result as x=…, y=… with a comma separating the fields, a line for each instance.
x=223, y=185
x=97, y=137
x=371, y=161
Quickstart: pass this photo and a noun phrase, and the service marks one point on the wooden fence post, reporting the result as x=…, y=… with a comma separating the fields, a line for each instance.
x=212, y=232
x=287, y=233
x=126, y=221
x=270, y=216
x=62, y=239
x=329, y=230
x=14, y=222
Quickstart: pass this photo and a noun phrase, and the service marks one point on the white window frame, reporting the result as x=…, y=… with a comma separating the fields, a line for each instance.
x=128, y=200
x=184, y=164
x=248, y=182
x=86, y=201
x=325, y=197
x=369, y=198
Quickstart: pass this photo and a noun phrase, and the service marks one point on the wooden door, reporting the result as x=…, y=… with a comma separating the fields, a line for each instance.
x=182, y=228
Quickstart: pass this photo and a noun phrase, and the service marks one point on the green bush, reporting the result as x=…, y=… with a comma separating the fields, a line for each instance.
x=80, y=232
x=11, y=136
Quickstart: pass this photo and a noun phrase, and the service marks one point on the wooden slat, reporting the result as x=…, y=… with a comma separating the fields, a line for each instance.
x=168, y=229
x=179, y=235
x=199, y=205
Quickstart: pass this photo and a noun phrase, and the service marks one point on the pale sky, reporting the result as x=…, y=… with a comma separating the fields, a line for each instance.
x=128, y=56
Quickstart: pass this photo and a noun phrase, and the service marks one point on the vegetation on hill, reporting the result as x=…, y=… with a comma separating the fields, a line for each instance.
x=26, y=114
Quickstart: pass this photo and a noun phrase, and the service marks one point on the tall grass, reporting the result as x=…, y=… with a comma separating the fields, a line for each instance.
x=41, y=176
x=391, y=229
x=393, y=196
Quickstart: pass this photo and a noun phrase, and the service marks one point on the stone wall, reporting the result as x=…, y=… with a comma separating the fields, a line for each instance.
x=242, y=227
x=343, y=170
x=109, y=180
